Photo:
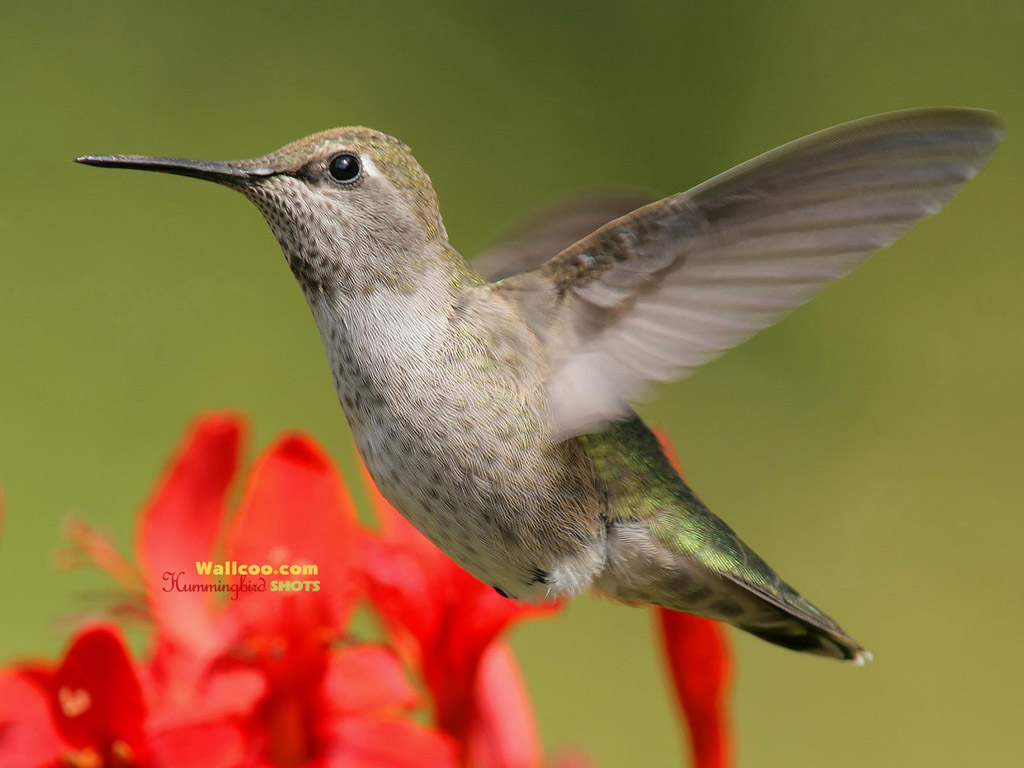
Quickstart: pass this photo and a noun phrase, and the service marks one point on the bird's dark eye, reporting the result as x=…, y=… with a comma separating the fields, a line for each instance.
x=344, y=167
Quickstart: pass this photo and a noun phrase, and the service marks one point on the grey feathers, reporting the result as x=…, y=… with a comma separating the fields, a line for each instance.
x=656, y=293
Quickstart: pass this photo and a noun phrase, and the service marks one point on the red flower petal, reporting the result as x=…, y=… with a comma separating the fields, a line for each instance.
x=296, y=511
x=410, y=602
x=217, y=744
x=502, y=733
x=181, y=522
x=365, y=679
x=28, y=735
x=210, y=696
x=698, y=658
x=451, y=667
x=97, y=700
x=380, y=743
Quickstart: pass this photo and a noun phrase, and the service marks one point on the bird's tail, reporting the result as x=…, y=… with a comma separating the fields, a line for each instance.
x=799, y=631
x=665, y=547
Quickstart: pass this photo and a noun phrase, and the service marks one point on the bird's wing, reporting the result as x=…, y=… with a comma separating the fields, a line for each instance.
x=654, y=294
x=553, y=227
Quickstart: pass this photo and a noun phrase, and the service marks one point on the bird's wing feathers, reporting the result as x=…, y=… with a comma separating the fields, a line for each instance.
x=654, y=294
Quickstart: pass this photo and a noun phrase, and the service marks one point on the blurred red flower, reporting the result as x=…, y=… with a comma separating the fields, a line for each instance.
x=276, y=666
x=90, y=711
x=697, y=654
x=241, y=674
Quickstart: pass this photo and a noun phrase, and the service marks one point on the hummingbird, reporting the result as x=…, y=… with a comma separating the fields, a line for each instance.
x=497, y=415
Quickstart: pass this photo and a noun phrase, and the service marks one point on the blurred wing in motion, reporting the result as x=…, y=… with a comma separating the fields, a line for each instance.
x=554, y=227
x=654, y=294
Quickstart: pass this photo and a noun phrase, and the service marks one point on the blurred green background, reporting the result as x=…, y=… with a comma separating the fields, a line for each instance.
x=869, y=447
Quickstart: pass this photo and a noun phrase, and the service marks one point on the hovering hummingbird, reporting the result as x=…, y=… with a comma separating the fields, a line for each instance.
x=495, y=415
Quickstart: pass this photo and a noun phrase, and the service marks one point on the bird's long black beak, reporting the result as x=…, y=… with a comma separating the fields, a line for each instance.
x=222, y=172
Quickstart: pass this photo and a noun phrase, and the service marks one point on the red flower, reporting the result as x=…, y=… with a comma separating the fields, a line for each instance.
x=275, y=664
x=502, y=732
x=90, y=711
x=28, y=735
x=697, y=655
x=320, y=704
x=445, y=622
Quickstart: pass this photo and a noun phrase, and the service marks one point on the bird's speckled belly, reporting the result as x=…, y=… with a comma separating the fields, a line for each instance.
x=518, y=516
x=449, y=414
